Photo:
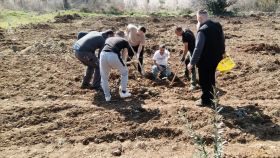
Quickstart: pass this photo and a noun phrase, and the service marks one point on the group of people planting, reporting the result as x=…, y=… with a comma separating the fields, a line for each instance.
x=123, y=48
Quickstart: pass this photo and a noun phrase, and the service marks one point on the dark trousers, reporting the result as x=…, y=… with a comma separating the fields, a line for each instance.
x=207, y=82
x=91, y=61
x=131, y=54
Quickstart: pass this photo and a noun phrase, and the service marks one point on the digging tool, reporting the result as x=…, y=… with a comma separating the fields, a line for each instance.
x=177, y=70
x=138, y=62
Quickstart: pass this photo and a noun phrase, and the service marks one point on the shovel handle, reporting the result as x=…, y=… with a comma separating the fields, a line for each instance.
x=172, y=81
x=136, y=57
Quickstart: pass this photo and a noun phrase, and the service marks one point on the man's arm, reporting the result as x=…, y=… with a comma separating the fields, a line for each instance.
x=158, y=66
x=199, y=45
x=139, y=50
x=185, y=51
x=124, y=54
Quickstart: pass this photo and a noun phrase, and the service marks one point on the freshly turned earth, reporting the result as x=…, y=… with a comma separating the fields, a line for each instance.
x=44, y=113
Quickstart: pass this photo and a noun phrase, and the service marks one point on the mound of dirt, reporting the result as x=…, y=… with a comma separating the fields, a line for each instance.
x=66, y=18
x=47, y=47
x=229, y=36
x=234, y=22
x=271, y=66
x=255, y=48
x=36, y=26
x=2, y=34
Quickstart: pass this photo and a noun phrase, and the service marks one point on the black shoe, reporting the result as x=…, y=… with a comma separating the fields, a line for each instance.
x=86, y=86
x=98, y=89
x=203, y=104
x=156, y=80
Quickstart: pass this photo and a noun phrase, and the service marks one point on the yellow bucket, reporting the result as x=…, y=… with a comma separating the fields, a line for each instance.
x=226, y=64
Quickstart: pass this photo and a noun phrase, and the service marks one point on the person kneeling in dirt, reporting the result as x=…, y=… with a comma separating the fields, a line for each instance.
x=112, y=56
x=160, y=58
x=188, y=39
x=136, y=38
x=84, y=50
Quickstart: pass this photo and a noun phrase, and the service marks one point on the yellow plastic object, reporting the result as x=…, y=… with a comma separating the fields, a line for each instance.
x=226, y=64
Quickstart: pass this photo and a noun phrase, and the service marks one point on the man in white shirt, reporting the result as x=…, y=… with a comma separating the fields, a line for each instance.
x=136, y=38
x=160, y=58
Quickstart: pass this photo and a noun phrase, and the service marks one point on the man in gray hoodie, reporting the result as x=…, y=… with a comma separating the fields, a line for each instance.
x=85, y=49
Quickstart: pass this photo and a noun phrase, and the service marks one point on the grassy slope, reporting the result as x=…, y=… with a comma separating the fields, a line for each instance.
x=9, y=18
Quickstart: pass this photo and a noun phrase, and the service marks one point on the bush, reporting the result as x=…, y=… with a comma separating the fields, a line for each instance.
x=185, y=11
x=267, y=5
x=217, y=7
x=113, y=10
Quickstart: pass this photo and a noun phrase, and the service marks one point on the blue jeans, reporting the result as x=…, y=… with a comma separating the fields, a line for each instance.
x=165, y=72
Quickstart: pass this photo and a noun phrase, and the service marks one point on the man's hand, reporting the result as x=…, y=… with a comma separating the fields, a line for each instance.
x=190, y=66
x=160, y=68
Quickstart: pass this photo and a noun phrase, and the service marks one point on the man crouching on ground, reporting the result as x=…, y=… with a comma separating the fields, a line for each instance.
x=112, y=55
x=160, y=58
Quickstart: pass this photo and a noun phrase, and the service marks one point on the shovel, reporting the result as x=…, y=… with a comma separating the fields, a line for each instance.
x=141, y=66
x=177, y=70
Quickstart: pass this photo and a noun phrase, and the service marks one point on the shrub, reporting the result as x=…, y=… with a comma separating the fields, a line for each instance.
x=113, y=10
x=267, y=5
x=217, y=6
x=185, y=11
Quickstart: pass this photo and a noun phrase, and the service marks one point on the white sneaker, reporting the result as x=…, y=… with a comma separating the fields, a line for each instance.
x=125, y=95
x=108, y=98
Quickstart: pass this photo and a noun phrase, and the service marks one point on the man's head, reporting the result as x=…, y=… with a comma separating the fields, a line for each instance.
x=161, y=48
x=141, y=30
x=120, y=34
x=179, y=31
x=201, y=16
x=109, y=33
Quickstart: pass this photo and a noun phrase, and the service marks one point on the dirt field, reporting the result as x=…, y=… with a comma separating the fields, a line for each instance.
x=44, y=113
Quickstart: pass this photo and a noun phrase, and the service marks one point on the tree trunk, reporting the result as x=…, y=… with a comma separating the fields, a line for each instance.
x=66, y=4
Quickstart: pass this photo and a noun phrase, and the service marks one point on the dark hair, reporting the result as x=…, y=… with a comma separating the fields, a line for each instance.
x=162, y=46
x=142, y=28
x=120, y=33
x=109, y=32
x=179, y=29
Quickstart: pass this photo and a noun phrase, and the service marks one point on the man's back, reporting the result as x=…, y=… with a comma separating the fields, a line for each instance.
x=91, y=41
x=134, y=38
x=115, y=44
x=188, y=37
x=214, y=47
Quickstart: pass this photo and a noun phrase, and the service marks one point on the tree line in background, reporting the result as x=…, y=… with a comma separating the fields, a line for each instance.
x=119, y=6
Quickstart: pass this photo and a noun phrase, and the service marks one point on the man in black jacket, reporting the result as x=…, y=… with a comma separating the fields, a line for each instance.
x=208, y=52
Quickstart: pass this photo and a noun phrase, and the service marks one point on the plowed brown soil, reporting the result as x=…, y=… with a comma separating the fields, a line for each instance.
x=44, y=113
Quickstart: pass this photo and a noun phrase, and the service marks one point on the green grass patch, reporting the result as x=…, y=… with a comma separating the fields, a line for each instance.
x=11, y=19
